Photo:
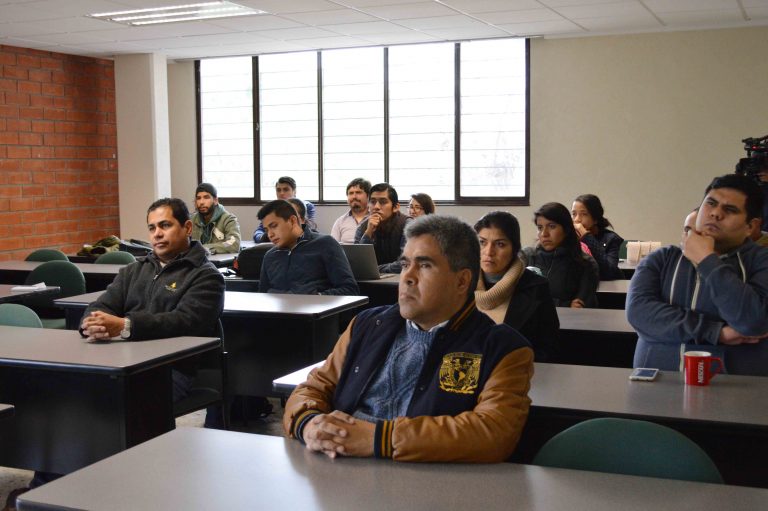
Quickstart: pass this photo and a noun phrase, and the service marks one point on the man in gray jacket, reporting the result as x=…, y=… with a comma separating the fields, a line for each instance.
x=174, y=291
x=712, y=292
x=215, y=227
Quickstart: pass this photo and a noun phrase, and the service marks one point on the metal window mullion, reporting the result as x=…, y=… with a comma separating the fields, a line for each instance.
x=320, y=125
x=386, y=115
x=457, y=123
x=256, y=128
x=198, y=108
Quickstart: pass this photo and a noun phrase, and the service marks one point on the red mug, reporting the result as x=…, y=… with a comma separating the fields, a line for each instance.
x=698, y=367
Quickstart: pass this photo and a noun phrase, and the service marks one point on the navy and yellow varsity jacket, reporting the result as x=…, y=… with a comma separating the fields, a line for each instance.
x=471, y=400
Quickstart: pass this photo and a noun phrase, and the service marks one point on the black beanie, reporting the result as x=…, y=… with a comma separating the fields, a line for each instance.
x=207, y=187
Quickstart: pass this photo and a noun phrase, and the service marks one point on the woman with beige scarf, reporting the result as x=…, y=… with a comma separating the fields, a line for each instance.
x=508, y=292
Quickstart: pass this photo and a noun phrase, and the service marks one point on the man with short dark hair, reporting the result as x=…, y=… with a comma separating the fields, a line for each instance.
x=302, y=261
x=285, y=189
x=712, y=292
x=346, y=225
x=428, y=379
x=173, y=291
x=384, y=228
x=215, y=227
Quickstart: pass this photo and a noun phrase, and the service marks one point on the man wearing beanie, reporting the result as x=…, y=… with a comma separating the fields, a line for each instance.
x=216, y=228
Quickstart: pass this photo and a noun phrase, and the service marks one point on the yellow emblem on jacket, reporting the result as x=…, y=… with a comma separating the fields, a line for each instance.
x=171, y=287
x=460, y=372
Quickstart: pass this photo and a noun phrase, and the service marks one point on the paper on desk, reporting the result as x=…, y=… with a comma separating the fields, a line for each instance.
x=40, y=286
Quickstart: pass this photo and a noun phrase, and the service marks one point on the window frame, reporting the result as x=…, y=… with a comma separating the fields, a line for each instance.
x=459, y=200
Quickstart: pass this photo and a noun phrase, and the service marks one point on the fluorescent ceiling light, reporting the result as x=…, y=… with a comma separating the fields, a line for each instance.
x=177, y=13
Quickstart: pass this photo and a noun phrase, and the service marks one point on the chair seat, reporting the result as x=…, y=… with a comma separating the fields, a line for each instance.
x=56, y=323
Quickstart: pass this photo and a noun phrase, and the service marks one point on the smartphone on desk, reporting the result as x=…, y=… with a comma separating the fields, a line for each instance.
x=643, y=374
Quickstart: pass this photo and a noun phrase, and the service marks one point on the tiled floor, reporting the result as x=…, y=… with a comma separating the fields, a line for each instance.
x=11, y=479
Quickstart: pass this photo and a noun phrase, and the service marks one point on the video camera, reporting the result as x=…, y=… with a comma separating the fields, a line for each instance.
x=756, y=161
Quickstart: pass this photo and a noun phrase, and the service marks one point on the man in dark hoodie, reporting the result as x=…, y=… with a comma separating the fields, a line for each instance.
x=711, y=293
x=384, y=227
x=215, y=227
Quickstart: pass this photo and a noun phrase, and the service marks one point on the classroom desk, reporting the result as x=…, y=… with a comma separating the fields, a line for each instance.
x=97, y=276
x=196, y=467
x=727, y=418
x=6, y=411
x=266, y=335
x=222, y=260
x=611, y=294
x=381, y=291
x=218, y=260
x=7, y=296
x=595, y=337
x=78, y=402
x=627, y=268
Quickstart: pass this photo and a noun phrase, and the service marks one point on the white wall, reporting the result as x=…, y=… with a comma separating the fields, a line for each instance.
x=183, y=126
x=141, y=97
x=643, y=121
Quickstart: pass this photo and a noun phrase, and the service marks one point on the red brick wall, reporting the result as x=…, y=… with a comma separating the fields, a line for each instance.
x=58, y=148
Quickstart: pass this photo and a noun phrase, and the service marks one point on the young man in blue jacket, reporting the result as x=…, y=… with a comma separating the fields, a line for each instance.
x=302, y=261
x=711, y=294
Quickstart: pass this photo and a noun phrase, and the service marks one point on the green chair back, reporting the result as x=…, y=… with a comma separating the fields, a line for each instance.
x=623, y=249
x=632, y=447
x=54, y=273
x=14, y=314
x=116, y=258
x=47, y=254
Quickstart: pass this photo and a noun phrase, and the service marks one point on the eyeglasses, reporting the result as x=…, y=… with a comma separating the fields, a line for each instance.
x=415, y=207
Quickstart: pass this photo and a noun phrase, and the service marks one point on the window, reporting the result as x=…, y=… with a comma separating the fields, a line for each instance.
x=226, y=125
x=493, y=119
x=353, y=118
x=422, y=120
x=288, y=122
x=448, y=119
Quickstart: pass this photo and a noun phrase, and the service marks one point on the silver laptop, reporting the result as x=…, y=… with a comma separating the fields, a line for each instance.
x=362, y=260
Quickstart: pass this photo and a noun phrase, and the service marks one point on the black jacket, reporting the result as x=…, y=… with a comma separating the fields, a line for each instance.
x=469, y=333
x=568, y=278
x=186, y=297
x=532, y=312
x=605, y=249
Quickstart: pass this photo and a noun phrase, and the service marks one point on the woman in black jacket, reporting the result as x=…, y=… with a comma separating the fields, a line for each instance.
x=509, y=293
x=592, y=228
x=573, y=275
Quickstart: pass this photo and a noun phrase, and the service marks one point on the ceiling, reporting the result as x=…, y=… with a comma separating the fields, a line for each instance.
x=296, y=25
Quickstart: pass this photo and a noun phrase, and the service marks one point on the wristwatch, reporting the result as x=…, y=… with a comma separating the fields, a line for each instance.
x=125, y=333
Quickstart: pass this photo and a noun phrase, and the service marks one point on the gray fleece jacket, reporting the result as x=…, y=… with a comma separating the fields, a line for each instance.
x=186, y=297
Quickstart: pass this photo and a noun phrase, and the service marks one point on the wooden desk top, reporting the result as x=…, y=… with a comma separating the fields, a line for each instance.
x=66, y=350
x=189, y=468
x=6, y=295
x=6, y=411
x=613, y=286
x=86, y=268
x=729, y=399
x=272, y=304
x=595, y=320
x=260, y=304
x=733, y=400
